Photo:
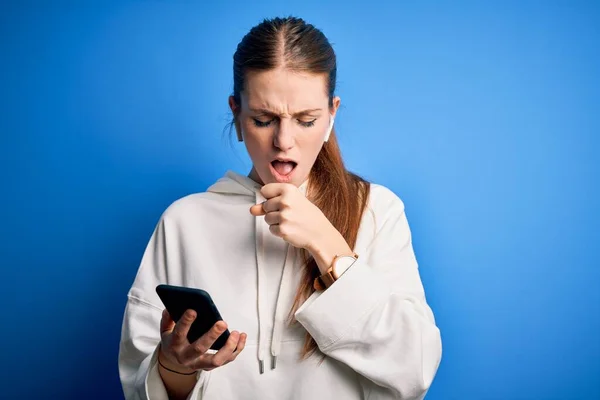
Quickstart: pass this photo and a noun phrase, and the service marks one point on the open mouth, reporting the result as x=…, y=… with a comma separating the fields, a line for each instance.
x=283, y=169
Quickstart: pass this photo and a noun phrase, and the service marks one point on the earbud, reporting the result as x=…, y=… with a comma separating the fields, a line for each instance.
x=330, y=128
x=239, y=132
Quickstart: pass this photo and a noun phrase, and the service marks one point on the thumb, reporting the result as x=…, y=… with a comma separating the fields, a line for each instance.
x=257, y=210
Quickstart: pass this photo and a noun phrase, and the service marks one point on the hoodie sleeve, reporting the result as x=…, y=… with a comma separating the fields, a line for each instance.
x=375, y=318
x=140, y=333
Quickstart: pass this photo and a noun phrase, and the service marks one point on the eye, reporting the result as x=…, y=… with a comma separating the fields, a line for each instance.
x=307, y=124
x=262, y=124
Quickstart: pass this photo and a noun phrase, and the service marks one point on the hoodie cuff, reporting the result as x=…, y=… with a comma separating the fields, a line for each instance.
x=329, y=315
x=154, y=386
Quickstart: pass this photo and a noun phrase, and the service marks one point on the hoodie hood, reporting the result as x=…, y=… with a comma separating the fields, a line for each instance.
x=235, y=184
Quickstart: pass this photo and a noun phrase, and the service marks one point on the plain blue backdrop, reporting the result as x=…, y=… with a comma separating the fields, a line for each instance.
x=483, y=118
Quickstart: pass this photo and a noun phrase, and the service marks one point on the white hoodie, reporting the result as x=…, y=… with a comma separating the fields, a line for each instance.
x=373, y=324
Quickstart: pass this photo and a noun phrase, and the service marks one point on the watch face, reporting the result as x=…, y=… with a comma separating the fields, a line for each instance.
x=342, y=264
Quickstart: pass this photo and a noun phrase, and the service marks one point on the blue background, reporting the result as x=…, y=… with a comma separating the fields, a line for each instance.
x=483, y=118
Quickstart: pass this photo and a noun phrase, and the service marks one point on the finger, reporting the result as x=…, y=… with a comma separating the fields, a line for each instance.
x=166, y=324
x=183, y=327
x=225, y=353
x=257, y=210
x=271, y=190
x=273, y=218
x=276, y=230
x=274, y=204
x=203, y=343
x=206, y=362
x=240, y=346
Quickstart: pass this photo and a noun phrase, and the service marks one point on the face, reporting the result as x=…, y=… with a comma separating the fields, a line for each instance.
x=283, y=118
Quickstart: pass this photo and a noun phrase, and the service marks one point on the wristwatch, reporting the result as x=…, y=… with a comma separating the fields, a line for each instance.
x=339, y=265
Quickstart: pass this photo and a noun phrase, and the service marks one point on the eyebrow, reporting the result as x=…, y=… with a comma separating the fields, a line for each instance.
x=272, y=113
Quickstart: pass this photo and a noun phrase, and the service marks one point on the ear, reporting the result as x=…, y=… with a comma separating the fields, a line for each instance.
x=235, y=111
x=336, y=105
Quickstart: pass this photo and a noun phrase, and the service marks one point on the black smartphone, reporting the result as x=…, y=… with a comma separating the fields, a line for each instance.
x=178, y=299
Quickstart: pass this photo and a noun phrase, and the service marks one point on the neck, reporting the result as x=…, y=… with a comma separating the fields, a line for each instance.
x=254, y=176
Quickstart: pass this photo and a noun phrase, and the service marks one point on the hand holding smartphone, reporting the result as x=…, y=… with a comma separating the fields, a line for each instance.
x=178, y=299
x=190, y=327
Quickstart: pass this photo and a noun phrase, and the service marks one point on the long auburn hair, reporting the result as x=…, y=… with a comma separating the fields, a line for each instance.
x=341, y=195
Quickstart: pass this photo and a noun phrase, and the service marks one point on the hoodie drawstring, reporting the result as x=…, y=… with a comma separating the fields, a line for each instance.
x=260, y=278
x=279, y=321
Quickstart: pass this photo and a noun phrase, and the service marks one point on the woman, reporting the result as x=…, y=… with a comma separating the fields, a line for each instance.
x=311, y=265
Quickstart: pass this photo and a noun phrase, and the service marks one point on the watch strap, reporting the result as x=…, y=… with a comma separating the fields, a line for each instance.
x=327, y=279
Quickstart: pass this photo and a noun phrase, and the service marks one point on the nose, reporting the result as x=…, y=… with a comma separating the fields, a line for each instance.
x=284, y=137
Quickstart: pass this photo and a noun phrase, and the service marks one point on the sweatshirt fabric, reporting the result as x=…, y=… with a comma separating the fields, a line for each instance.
x=373, y=325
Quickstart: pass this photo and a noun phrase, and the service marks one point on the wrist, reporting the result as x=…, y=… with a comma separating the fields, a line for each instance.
x=172, y=367
x=325, y=249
